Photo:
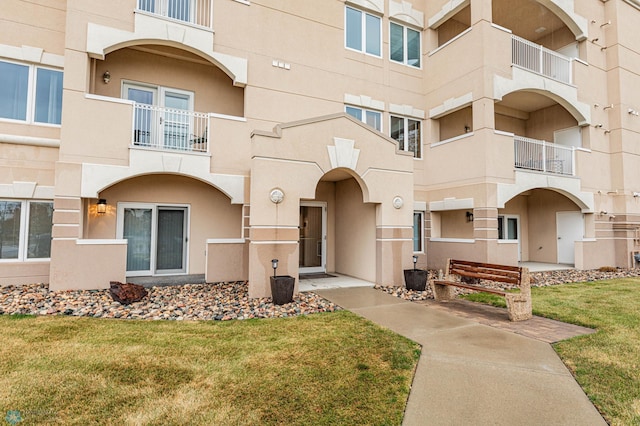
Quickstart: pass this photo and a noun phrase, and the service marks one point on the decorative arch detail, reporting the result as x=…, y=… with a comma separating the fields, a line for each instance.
x=565, y=10
x=568, y=187
x=565, y=95
x=148, y=30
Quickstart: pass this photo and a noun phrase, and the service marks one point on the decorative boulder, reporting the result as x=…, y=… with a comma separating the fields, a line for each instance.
x=127, y=293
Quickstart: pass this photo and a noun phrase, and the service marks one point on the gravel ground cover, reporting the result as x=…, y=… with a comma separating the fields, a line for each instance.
x=219, y=301
x=538, y=279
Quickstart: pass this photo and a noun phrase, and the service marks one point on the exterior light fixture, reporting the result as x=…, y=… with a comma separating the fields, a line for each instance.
x=101, y=206
x=106, y=77
x=274, y=265
x=469, y=217
x=467, y=129
x=415, y=260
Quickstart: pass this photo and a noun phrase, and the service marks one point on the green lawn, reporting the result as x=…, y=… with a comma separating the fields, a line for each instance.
x=607, y=363
x=333, y=368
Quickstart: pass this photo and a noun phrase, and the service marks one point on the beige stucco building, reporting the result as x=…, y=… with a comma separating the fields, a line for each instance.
x=185, y=137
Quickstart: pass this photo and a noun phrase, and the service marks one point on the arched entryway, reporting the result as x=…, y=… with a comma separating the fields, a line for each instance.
x=338, y=229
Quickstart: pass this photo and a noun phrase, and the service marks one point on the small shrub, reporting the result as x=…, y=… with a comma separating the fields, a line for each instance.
x=607, y=269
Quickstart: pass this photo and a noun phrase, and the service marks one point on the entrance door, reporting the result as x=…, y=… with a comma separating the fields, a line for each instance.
x=570, y=229
x=156, y=238
x=509, y=230
x=313, y=237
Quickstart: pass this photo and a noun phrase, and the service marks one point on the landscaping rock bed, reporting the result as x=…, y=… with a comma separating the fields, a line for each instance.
x=220, y=301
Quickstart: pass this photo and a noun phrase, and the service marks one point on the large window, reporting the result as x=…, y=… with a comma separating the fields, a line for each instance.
x=418, y=232
x=372, y=118
x=408, y=134
x=363, y=32
x=30, y=93
x=404, y=45
x=25, y=229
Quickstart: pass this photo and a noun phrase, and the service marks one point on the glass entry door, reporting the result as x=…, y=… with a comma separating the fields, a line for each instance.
x=312, y=246
x=156, y=238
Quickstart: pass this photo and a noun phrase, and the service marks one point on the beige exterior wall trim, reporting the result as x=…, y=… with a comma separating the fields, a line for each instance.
x=459, y=36
x=453, y=240
x=31, y=54
x=26, y=190
x=102, y=40
x=420, y=206
x=451, y=105
x=30, y=141
x=375, y=170
x=407, y=111
x=564, y=94
x=99, y=242
x=284, y=160
x=451, y=204
x=634, y=3
x=109, y=99
x=372, y=5
x=245, y=2
x=227, y=117
x=449, y=9
x=453, y=139
x=567, y=186
x=275, y=242
x=96, y=177
x=364, y=101
x=403, y=11
x=226, y=241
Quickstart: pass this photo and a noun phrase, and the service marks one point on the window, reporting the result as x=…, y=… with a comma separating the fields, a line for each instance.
x=25, y=229
x=404, y=45
x=408, y=134
x=418, y=232
x=372, y=118
x=30, y=93
x=363, y=32
x=508, y=227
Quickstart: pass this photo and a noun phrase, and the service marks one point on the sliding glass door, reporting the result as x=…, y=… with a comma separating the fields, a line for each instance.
x=156, y=238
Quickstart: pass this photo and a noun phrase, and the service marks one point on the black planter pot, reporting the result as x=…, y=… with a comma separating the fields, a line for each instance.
x=415, y=279
x=282, y=289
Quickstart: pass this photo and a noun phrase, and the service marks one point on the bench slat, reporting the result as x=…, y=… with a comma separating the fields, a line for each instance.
x=484, y=275
x=471, y=287
x=488, y=265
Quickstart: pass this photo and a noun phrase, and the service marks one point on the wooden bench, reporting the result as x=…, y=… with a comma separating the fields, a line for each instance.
x=459, y=271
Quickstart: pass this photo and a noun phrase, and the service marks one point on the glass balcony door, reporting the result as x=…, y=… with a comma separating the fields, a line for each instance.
x=156, y=238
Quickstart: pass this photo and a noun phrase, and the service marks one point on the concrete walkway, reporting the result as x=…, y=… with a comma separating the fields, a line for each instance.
x=474, y=374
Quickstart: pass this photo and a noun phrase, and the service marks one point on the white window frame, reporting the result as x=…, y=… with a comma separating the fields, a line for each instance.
x=363, y=23
x=421, y=241
x=405, y=124
x=31, y=94
x=405, y=49
x=363, y=114
x=23, y=246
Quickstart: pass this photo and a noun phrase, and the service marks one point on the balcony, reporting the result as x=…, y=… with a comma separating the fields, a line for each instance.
x=170, y=129
x=195, y=12
x=542, y=156
x=541, y=60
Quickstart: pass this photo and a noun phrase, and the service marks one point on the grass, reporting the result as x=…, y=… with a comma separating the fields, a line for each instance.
x=333, y=368
x=606, y=364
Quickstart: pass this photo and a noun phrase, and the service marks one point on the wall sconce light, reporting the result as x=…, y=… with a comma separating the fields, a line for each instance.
x=101, y=207
x=274, y=265
x=598, y=126
x=608, y=107
x=633, y=112
x=467, y=129
x=106, y=77
x=603, y=212
x=469, y=217
x=605, y=24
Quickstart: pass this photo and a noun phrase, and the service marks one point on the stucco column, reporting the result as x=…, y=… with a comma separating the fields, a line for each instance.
x=481, y=10
x=394, y=239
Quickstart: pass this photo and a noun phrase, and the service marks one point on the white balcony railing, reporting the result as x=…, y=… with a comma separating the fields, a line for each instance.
x=544, y=156
x=170, y=129
x=541, y=60
x=196, y=12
